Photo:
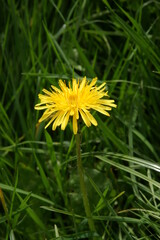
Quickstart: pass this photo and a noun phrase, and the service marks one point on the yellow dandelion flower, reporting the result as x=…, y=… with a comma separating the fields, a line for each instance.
x=74, y=101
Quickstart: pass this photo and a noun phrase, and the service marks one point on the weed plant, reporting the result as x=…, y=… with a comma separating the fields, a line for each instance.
x=41, y=42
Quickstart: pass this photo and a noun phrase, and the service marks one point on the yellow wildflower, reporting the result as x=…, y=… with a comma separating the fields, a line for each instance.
x=75, y=101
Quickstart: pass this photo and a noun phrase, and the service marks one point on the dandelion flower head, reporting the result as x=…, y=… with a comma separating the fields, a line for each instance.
x=76, y=101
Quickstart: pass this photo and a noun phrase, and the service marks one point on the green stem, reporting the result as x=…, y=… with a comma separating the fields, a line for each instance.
x=82, y=184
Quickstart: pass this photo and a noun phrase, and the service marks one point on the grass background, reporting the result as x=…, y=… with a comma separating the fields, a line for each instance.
x=117, y=41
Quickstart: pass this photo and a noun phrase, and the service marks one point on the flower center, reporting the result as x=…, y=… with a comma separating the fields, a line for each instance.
x=72, y=99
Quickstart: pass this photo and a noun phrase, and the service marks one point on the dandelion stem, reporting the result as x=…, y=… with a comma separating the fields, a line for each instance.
x=82, y=184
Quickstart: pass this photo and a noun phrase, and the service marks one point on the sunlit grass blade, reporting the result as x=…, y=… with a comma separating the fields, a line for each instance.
x=23, y=192
x=129, y=170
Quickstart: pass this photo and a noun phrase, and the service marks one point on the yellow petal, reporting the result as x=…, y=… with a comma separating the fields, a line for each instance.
x=101, y=110
x=62, y=86
x=74, y=85
x=85, y=118
x=52, y=119
x=47, y=92
x=56, y=89
x=58, y=120
x=91, y=118
x=45, y=116
x=75, y=127
x=112, y=105
x=72, y=112
x=40, y=107
x=83, y=83
x=108, y=108
x=77, y=114
x=103, y=84
x=94, y=80
x=65, y=121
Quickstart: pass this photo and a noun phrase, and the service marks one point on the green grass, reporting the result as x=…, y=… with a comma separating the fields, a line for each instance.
x=41, y=42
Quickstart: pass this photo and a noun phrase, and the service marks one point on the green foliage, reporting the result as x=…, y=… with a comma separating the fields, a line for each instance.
x=41, y=42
